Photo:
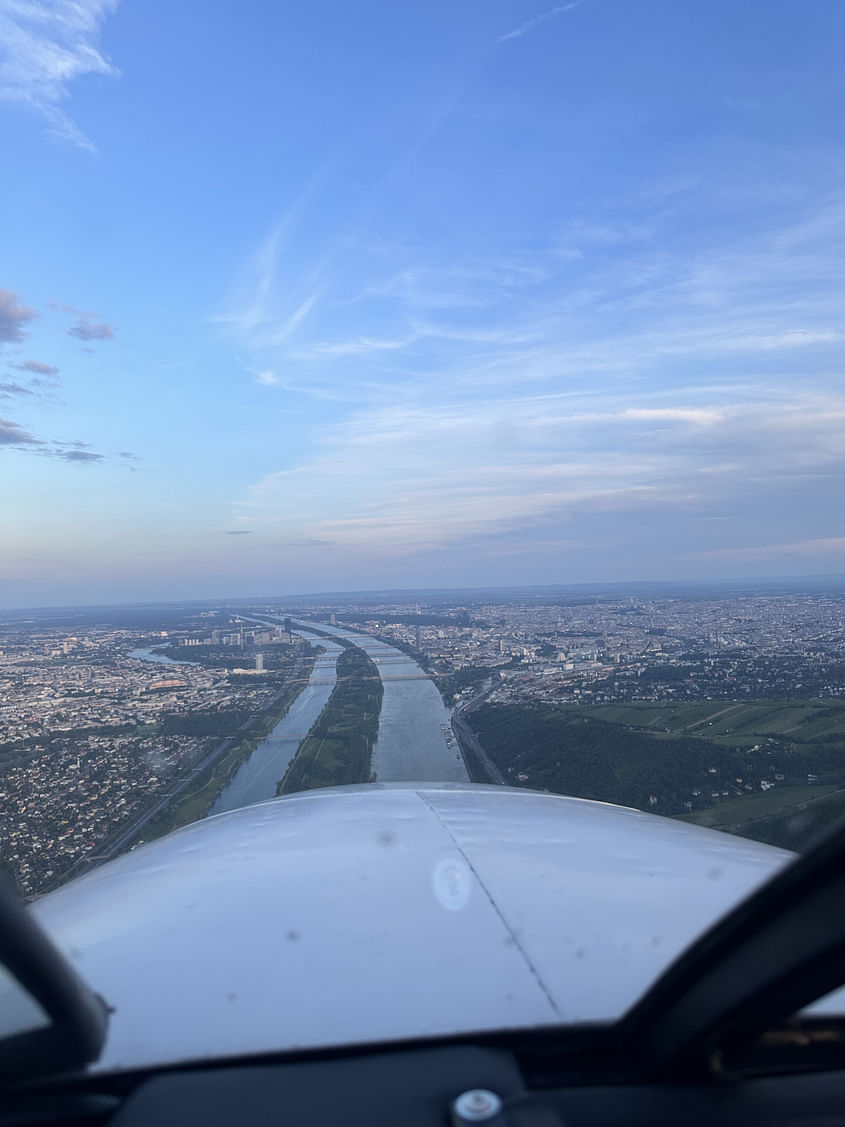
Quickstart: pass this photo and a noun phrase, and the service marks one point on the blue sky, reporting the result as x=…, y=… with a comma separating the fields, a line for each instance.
x=338, y=295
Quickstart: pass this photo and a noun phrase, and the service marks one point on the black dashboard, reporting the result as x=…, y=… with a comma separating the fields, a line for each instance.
x=419, y=1088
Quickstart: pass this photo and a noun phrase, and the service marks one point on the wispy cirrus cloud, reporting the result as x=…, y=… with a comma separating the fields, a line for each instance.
x=618, y=299
x=359, y=346
x=535, y=21
x=265, y=307
x=596, y=378
x=698, y=416
x=45, y=46
x=279, y=331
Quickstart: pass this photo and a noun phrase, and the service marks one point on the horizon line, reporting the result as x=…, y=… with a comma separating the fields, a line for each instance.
x=835, y=577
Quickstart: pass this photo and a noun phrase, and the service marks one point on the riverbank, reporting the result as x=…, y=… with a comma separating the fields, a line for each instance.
x=480, y=767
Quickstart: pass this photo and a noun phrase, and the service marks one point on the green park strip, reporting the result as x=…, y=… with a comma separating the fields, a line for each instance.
x=338, y=749
x=196, y=803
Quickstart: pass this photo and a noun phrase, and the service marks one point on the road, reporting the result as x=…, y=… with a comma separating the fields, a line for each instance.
x=468, y=738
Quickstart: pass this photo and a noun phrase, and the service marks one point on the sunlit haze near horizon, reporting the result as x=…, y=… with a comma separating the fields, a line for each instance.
x=338, y=296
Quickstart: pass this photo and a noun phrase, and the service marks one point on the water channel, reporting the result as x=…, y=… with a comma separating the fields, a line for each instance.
x=414, y=739
x=256, y=778
x=160, y=659
x=414, y=744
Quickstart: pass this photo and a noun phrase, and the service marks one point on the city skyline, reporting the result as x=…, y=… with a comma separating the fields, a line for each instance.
x=321, y=299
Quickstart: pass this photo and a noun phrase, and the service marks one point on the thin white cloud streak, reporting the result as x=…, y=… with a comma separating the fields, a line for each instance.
x=284, y=329
x=360, y=346
x=763, y=296
x=698, y=416
x=529, y=25
x=832, y=546
x=45, y=45
x=255, y=288
x=267, y=304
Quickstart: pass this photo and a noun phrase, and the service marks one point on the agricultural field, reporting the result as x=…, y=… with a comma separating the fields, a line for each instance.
x=800, y=721
x=737, y=810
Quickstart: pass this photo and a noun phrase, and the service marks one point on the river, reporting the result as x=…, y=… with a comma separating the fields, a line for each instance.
x=256, y=778
x=161, y=659
x=412, y=744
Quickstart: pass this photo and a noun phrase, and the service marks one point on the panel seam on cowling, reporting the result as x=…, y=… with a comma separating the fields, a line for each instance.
x=513, y=935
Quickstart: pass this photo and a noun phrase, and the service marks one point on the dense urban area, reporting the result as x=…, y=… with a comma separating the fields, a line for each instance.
x=724, y=706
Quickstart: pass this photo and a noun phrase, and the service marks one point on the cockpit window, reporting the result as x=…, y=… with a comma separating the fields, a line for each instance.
x=417, y=398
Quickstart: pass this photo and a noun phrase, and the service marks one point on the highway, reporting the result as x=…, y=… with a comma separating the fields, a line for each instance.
x=468, y=739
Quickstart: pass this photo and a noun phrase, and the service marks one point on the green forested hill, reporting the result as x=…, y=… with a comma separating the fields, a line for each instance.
x=655, y=758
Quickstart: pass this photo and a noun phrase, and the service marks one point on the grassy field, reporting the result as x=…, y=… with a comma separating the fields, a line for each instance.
x=791, y=817
x=733, y=811
x=730, y=723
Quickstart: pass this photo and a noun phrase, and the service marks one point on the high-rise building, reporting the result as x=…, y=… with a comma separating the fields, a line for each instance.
x=259, y=663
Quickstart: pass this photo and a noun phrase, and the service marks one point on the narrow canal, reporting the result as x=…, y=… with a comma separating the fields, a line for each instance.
x=256, y=778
